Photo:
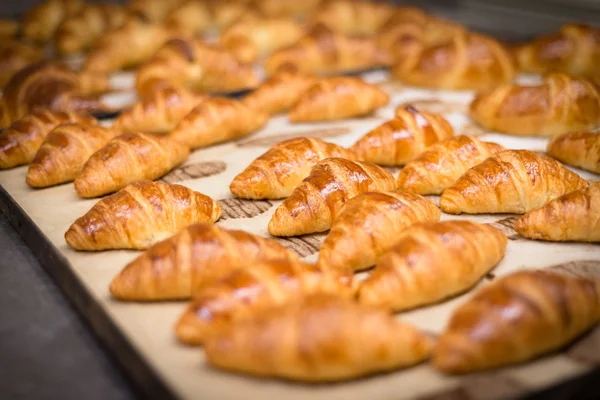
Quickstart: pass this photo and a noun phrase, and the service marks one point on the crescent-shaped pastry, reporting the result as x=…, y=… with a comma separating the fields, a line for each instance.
x=40, y=22
x=14, y=56
x=579, y=149
x=355, y=18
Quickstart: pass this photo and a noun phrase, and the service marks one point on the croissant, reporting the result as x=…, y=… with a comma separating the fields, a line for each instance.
x=517, y=318
x=432, y=261
x=442, y=164
x=316, y=339
x=580, y=149
x=217, y=120
x=128, y=158
x=140, y=215
x=369, y=224
x=360, y=18
x=14, y=56
x=9, y=28
x=40, y=23
x=64, y=152
x=338, y=98
x=192, y=259
x=561, y=104
x=20, y=142
x=316, y=202
x=402, y=139
x=160, y=113
x=574, y=49
x=247, y=290
x=324, y=52
x=225, y=13
x=152, y=11
x=298, y=10
x=512, y=181
x=193, y=17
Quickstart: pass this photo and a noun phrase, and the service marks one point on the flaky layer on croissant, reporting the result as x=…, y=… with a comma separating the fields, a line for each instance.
x=517, y=318
x=40, y=23
x=358, y=18
x=14, y=56
x=561, y=104
x=440, y=165
x=275, y=174
x=317, y=339
x=579, y=149
x=512, y=181
x=140, y=215
x=432, y=261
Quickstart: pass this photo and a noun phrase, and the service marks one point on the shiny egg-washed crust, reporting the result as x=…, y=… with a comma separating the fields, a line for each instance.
x=517, y=318
x=275, y=174
x=14, y=56
x=579, y=149
x=140, y=215
x=316, y=202
x=40, y=23
x=512, y=181
x=432, y=261
x=317, y=339
x=128, y=158
x=192, y=259
x=560, y=104
x=355, y=18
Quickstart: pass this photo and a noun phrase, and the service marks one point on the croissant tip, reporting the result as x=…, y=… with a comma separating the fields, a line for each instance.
x=186, y=330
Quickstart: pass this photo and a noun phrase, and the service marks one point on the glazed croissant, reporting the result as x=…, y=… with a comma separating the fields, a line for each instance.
x=369, y=224
x=193, y=17
x=20, y=142
x=14, y=56
x=360, y=18
x=432, y=261
x=140, y=215
x=192, y=259
x=338, y=98
x=275, y=174
x=40, y=23
x=217, y=120
x=512, y=181
x=160, y=113
x=580, y=149
x=561, y=104
x=64, y=152
x=317, y=339
x=403, y=138
x=574, y=216
x=128, y=158
x=523, y=315
x=440, y=166
x=316, y=202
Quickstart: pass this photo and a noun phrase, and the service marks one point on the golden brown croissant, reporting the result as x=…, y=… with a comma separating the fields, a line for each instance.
x=360, y=18
x=574, y=216
x=319, y=338
x=432, y=261
x=193, y=17
x=152, y=11
x=41, y=21
x=64, y=151
x=248, y=290
x=9, y=28
x=140, y=215
x=517, y=318
x=512, y=181
x=338, y=98
x=14, y=56
x=316, y=202
x=292, y=9
x=561, y=104
x=580, y=149
x=160, y=113
x=440, y=166
x=217, y=120
x=226, y=12
x=275, y=174
x=192, y=259
x=20, y=142
x=403, y=138
x=128, y=158
x=574, y=49
x=369, y=224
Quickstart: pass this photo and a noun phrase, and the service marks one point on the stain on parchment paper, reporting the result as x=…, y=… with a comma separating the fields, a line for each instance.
x=274, y=139
x=587, y=348
x=587, y=269
x=194, y=171
x=492, y=385
x=303, y=246
x=507, y=226
x=436, y=106
x=240, y=208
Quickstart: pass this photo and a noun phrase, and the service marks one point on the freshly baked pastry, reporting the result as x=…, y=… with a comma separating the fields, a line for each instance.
x=152, y=11
x=440, y=165
x=402, y=139
x=574, y=216
x=20, y=142
x=140, y=215
x=192, y=259
x=516, y=318
x=275, y=174
x=40, y=23
x=579, y=149
x=193, y=17
x=217, y=120
x=432, y=261
x=14, y=56
x=338, y=98
x=369, y=224
x=64, y=151
x=9, y=28
x=128, y=158
x=359, y=18
x=561, y=104
x=317, y=201
x=292, y=9
x=225, y=13
x=512, y=181
x=319, y=338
